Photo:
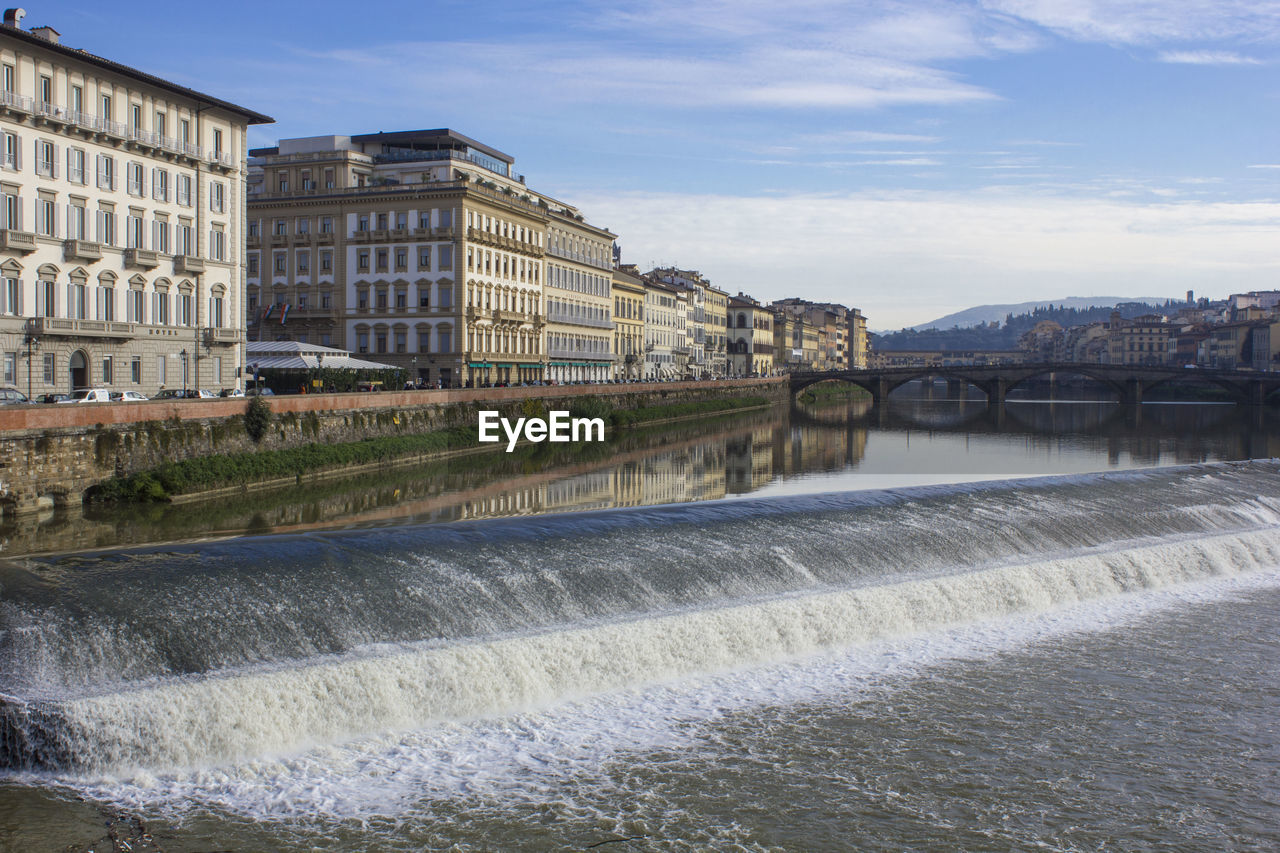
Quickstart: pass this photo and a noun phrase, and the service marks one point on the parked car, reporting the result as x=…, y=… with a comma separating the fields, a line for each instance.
x=260, y=392
x=89, y=395
x=51, y=398
x=127, y=397
x=204, y=394
x=232, y=392
x=12, y=397
x=169, y=394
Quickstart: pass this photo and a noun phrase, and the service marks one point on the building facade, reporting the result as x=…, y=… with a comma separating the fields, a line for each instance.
x=628, y=325
x=664, y=331
x=121, y=224
x=579, y=299
x=421, y=249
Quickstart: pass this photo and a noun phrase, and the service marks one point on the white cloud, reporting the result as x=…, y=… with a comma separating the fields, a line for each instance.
x=899, y=256
x=1206, y=57
x=1149, y=21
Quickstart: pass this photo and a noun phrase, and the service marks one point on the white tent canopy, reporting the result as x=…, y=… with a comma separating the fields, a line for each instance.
x=292, y=355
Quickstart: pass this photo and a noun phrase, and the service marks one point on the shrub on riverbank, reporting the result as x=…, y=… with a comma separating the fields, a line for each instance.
x=212, y=472
x=831, y=392
x=627, y=417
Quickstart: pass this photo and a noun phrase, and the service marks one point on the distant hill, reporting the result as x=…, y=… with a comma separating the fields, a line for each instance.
x=993, y=313
x=1002, y=332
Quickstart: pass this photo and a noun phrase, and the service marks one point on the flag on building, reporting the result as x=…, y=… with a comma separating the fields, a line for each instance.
x=284, y=313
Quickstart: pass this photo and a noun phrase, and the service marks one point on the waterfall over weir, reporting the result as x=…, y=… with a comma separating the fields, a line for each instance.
x=204, y=654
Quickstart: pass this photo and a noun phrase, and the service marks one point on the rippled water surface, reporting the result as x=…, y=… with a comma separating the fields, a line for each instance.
x=761, y=660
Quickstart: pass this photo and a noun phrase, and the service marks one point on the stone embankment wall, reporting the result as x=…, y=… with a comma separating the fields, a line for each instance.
x=51, y=455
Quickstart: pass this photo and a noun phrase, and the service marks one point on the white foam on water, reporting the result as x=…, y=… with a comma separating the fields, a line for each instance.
x=512, y=739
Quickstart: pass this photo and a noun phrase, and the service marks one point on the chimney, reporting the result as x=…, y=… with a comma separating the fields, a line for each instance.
x=49, y=34
x=13, y=17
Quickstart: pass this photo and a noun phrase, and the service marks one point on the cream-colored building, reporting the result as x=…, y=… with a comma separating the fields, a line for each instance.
x=422, y=249
x=121, y=223
x=579, y=298
x=716, y=317
x=664, y=331
x=628, y=324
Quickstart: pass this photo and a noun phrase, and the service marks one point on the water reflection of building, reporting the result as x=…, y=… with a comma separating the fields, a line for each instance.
x=749, y=461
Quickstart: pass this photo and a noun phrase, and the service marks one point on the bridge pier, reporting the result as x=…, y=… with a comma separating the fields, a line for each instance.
x=1131, y=393
x=996, y=390
x=1256, y=393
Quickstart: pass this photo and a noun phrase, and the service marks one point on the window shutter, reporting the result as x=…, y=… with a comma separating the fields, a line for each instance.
x=71, y=300
x=101, y=312
x=21, y=296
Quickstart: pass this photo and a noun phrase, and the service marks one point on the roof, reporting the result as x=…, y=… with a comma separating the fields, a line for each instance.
x=84, y=56
x=400, y=137
x=290, y=348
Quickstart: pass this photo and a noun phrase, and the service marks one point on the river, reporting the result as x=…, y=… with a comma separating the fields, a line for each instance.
x=928, y=626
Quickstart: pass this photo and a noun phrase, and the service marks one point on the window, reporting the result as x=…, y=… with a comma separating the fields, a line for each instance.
x=75, y=165
x=424, y=297
x=184, y=190
x=76, y=221
x=107, y=304
x=9, y=79
x=106, y=227
x=160, y=309
x=278, y=263
x=402, y=299
x=12, y=151
x=217, y=142
x=184, y=130
x=326, y=225
x=253, y=265
x=382, y=222
x=215, y=312
x=446, y=299
x=382, y=300
x=45, y=164
x=402, y=259
x=362, y=341
x=160, y=236
x=402, y=220
x=401, y=342
x=12, y=298
x=362, y=260
x=107, y=377
x=304, y=263
x=362, y=222
x=304, y=225
x=281, y=228
x=162, y=374
x=134, y=302
x=446, y=257
x=106, y=172
x=11, y=211
x=77, y=299
x=105, y=107
x=46, y=217
x=10, y=368
x=133, y=232
x=382, y=260
x=254, y=229
x=77, y=100
x=46, y=304
x=186, y=238
x=302, y=300
x=381, y=339
x=329, y=181
x=135, y=117
x=135, y=370
x=326, y=262
x=362, y=300
x=326, y=300
x=217, y=198
x=424, y=341
x=133, y=178
x=159, y=184
x=444, y=337
x=218, y=244
x=50, y=369
x=159, y=125
x=424, y=219
x=46, y=90
x=282, y=182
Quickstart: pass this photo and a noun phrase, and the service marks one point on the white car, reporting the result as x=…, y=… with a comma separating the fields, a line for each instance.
x=128, y=397
x=89, y=395
x=205, y=394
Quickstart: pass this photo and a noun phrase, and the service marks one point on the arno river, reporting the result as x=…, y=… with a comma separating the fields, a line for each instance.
x=795, y=629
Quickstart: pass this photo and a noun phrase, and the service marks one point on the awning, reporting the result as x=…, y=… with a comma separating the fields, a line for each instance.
x=479, y=364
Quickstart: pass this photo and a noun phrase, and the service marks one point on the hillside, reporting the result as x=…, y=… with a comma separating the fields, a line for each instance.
x=1002, y=333
x=991, y=313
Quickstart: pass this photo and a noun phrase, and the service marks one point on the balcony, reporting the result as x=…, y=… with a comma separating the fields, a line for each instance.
x=17, y=241
x=61, y=327
x=253, y=241
x=187, y=264
x=221, y=336
x=141, y=258
x=279, y=239
x=324, y=238
x=82, y=250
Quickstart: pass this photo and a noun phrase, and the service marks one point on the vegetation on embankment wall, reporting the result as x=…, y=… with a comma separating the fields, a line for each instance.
x=831, y=392
x=206, y=473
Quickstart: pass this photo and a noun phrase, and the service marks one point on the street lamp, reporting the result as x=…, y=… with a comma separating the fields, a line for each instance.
x=184, y=371
x=320, y=368
x=32, y=340
x=414, y=362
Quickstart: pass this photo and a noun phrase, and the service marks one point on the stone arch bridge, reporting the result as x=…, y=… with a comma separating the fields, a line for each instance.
x=1129, y=382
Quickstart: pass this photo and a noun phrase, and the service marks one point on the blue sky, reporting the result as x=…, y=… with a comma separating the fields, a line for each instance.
x=909, y=158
